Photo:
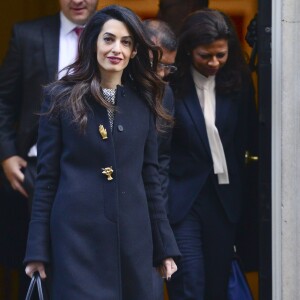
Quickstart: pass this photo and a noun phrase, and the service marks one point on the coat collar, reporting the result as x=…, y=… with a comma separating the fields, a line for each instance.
x=223, y=108
x=192, y=105
x=121, y=106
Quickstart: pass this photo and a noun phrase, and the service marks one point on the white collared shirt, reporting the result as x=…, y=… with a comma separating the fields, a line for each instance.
x=201, y=83
x=68, y=44
x=205, y=87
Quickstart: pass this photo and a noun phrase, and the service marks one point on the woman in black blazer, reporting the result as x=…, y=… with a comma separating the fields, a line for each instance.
x=214, y=105
x=98, y=219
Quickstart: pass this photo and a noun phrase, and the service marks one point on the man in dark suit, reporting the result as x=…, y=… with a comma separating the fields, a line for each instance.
x=37, y=51
x=163, y=36
x=33, y=60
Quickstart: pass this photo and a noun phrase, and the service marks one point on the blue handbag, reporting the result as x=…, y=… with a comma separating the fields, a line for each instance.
x=238, y=288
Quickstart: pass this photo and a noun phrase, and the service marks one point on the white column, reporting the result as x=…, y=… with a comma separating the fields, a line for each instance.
x=286, y=149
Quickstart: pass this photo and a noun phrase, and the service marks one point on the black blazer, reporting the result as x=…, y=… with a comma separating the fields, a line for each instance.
x=31, y=61
x=191, y=160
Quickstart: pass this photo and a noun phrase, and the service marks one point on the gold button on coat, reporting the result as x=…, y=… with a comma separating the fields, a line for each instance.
x=108, y=171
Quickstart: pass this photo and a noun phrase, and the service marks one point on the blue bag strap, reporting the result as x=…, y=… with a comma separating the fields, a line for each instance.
x=31, y=288
x=36, y=281
x=39, y=287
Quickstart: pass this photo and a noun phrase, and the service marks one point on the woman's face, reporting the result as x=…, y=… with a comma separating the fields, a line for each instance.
x=208, y=59
x=115, y=47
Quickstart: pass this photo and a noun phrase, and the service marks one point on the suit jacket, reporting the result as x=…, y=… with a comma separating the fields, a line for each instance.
x=100, y=233
x=191, y=160
x=31, y=61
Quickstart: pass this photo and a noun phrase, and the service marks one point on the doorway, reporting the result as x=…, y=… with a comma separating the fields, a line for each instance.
x=242, y=12
x=264, y=70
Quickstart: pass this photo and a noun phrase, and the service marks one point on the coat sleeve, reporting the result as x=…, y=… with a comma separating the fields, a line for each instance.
x=48, y=169
x=164, y=244
x=10, y=97
x=164, y=147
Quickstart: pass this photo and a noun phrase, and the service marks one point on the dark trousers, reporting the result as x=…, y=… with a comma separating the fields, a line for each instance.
x=205, y=238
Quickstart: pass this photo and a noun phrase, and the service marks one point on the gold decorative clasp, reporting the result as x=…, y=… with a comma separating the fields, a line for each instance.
x=103, y=132
x=108, y=171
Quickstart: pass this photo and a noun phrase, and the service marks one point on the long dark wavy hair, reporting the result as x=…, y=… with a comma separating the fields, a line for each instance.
x=204, y=27
x=83, y=77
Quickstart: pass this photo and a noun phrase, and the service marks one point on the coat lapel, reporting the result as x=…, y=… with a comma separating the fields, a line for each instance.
x=192, y=104
x=51, y=46
x=224, y=105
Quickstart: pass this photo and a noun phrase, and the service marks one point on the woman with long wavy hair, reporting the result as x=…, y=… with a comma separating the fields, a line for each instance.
x=98, y=221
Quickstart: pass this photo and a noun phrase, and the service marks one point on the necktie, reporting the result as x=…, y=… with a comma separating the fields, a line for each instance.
x=110, y=95
x=207, y=86
x=216, y=147
x=78, y=31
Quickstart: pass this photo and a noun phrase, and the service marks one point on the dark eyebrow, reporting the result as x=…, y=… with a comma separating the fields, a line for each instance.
x=108, y=33
x=204, y=52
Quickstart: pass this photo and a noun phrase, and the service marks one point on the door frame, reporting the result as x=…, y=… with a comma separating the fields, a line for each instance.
x=276, y=149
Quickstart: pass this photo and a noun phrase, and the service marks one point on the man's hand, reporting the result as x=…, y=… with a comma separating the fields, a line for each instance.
x=12, y=169
x=167, y=268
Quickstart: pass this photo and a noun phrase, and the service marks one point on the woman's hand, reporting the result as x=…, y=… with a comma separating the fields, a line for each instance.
x=167, y=268
x=35, y=266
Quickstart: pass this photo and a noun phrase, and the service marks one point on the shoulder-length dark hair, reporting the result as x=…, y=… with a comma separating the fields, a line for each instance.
x=83, y=76
x=203, y=27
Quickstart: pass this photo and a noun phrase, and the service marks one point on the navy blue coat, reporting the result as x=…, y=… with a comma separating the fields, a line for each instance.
x=191, y=160
x=100, y=237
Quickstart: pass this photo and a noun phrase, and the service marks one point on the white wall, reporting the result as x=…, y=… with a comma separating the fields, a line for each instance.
x=286, y=149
